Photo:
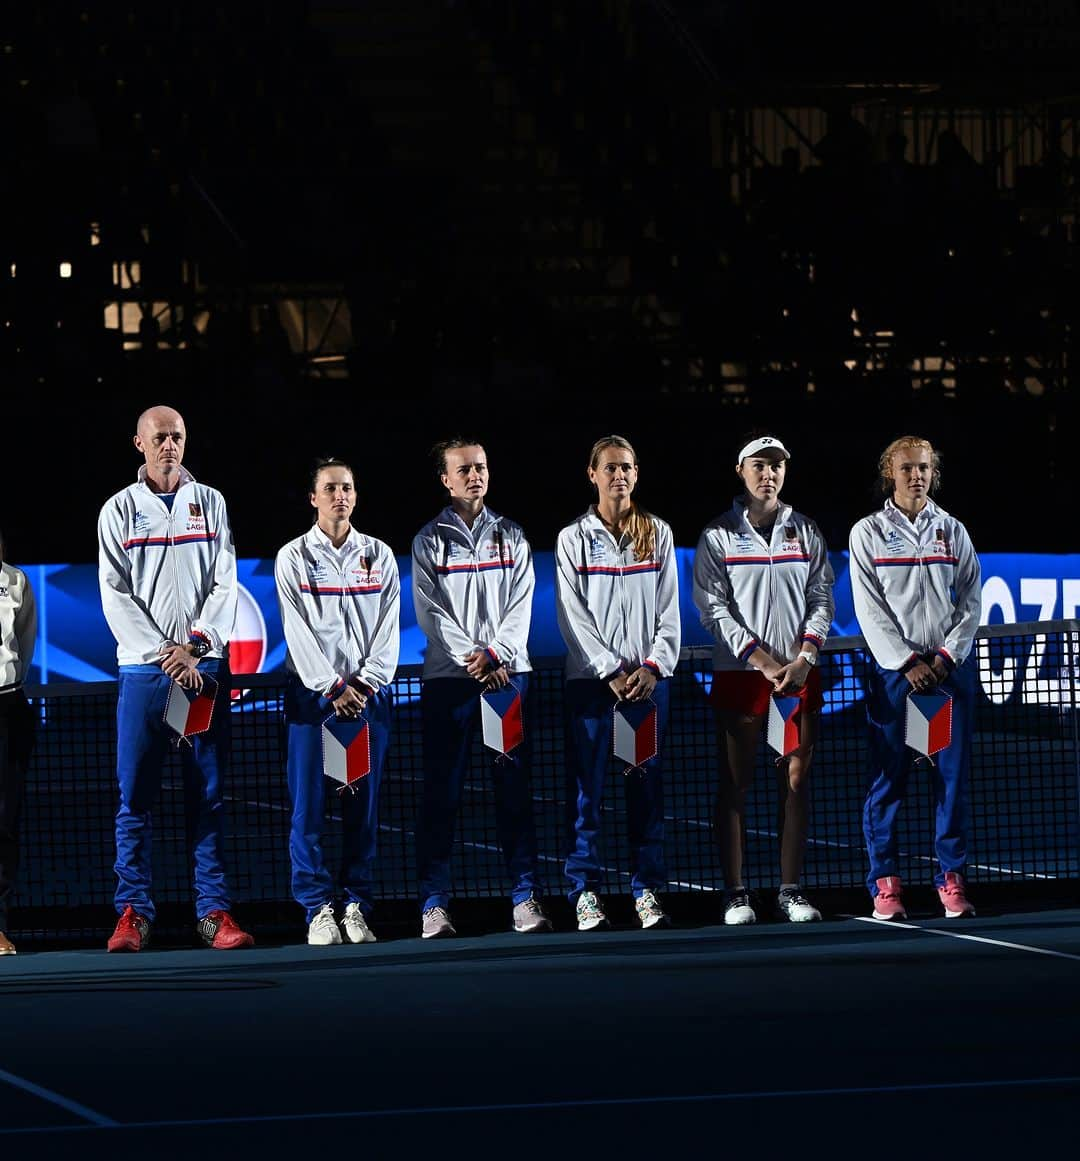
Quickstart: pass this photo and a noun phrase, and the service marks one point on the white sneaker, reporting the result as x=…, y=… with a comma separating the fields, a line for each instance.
x=797, y=908
x=354, y=926
x=738, y=912
x=590, y=915
x=436, y=924
x=529, y=916
x=323, y=929
x=650, y=912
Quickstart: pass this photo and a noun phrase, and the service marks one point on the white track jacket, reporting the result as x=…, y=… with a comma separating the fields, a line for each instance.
x=917, y=587
x=616, y=612
x=18, y=627
x=472, y=589
x=752, y=594
x=166, y=576
x=339, y=609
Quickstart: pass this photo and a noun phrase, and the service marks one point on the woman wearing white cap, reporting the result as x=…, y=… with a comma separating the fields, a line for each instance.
x=764, y=588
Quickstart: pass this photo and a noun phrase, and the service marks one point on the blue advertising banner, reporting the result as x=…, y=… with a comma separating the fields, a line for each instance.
x=74, y=643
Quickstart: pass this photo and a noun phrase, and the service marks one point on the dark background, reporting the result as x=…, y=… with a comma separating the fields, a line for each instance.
x=538, y=223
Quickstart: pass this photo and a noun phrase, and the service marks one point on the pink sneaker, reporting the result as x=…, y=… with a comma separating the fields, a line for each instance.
x=953, y=897
x=889, y=900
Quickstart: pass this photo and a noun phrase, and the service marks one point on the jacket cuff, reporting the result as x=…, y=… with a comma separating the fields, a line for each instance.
x=745, y=654
x=944, y=655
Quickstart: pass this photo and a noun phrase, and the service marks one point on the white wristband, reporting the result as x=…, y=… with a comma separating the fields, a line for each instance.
x=809, y=658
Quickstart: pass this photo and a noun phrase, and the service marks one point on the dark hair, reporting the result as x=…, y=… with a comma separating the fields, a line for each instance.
x=327, y=462
x=439, y=450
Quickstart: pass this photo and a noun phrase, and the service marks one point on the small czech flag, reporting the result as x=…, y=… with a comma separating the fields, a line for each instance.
x=634, y=736
x=782, y=732
x=346, y=747
x=929, y=721
x=189, y=711
x=501, y=716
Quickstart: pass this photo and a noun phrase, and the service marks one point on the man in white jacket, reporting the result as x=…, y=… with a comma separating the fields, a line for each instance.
x=167, y=574
x=472, y=583
x=916, y=585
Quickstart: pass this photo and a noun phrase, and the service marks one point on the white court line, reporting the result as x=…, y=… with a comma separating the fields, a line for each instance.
x=55, y=1098
x=973, y=938
x=604, y=1102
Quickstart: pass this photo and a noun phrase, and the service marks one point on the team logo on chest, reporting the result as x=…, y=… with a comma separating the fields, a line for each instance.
x=196, y=521
x=3, y=592
x=597, y=551
x=317, y=572
x=894, y=543
x=791, y=539
x=744, y=544
x=941, y=541
x=141, y=523
x=363, y=575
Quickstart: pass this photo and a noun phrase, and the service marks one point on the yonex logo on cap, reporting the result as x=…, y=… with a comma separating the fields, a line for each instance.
x=760, y=444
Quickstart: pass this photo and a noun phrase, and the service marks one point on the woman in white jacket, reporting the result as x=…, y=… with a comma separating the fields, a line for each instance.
x=917, y=588
x=339, y=594
x=764, y=589
x=618, y=611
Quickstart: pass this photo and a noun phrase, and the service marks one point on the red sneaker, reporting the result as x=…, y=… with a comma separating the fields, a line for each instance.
x=889, y=900
x=219, y=929
x=132, y=932
x=953, y=897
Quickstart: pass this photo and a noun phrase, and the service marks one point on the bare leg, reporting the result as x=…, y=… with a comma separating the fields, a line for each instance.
x=794, y=780
x=737, y=741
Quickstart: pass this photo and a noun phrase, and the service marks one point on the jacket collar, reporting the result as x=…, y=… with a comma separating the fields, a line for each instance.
x=185, y=477
x=318, y=539
x=485, y=519
x=739, y=508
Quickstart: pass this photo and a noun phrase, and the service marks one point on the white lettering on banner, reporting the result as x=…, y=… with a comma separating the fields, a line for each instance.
x=1070, y=599
x=1037, y=687
x=996, y=595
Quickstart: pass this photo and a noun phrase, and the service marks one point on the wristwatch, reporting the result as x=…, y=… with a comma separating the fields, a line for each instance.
x=809, y=658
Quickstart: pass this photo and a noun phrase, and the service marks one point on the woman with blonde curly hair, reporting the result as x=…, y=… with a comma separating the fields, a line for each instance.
x=917, y=590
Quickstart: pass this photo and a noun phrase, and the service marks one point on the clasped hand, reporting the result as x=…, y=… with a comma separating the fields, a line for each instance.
x=182, y=666
x=478, y=665
x=637, y=686
x=350, y=702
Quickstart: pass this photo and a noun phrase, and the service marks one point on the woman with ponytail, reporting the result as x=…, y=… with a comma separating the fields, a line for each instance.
x=618, y=612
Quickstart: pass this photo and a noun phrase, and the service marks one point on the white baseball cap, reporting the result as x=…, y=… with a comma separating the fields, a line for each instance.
x=760, y=444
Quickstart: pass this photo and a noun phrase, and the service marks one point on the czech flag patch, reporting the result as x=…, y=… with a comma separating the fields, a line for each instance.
x=346, y=747
x=501, y=716
x=928, y=728
x=190, y=711
x=782, y=732
x=634, y=735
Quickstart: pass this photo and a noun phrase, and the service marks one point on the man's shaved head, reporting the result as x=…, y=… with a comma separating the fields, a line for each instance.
x=161, y=413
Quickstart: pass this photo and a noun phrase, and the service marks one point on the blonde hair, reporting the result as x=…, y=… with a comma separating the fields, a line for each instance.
x=640, y=525
x=886, y=480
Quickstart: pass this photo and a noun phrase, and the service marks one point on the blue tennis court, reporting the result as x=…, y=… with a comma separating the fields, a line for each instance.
x=850, y=1035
